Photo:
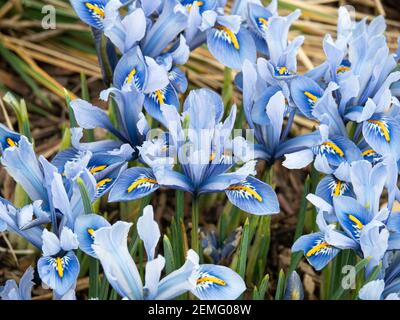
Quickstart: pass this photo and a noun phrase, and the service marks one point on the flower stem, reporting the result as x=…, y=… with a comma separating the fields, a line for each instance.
x=195, y=224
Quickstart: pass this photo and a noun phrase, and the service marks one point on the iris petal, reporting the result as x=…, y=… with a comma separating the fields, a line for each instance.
x=154, y=101
x=133, y=183
x=217, y=283
x=90, y=11
x=231, y=49
x=59, y=272
x=85, y=228
x=253, y=196
x=316, y=250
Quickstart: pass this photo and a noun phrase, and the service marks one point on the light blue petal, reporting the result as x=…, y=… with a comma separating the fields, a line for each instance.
x=21, y=292
x=8, y=138
x=131, y=70
x=85, y=228
x=305, y=93
x=372, y=290
x=170, y=23
x=90, y=11
x=89, y=116
x=51, y=243
x=258, y=16
x=351, y=215
x=152, y=277
x=110, y=246
x=382, y=133
x=374, y=241
x=59, y=272
x=316, y=250
x=229, y=48
x=21, y=164
x=148, y=231
x=330, y=187
x=155, y=100
x=68, y=239
x=195, y=103
x=179, y=281
x=217, y=283
x=178, y=79
x=133, y=183
x=253, y=196
x=8, y=216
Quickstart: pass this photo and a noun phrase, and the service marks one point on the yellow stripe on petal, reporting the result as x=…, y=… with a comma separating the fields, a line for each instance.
x=95, y=9
x=195, y=3
x=310, y=96
x=317, y=248
x=11, y=142
x=337, y=188
x=282, y=70
x=334, y=147
x=263, y=21
x=97, y=169
x=91, y=231
x=357, y=222
x=103, y=182
x=60, y=267
x=140, y=181
x=160, y=97
x=130, y=76
x=368, y=152
x=342, y=69
x=211, y=279
x=232, y=37
x=383, y=128
x=248, y=190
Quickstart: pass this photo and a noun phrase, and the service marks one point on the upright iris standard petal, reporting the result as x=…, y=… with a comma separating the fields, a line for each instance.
x=148, y=231
x=110, y=246
x=317, y=251
x=253, y=196
x=217, y=283
x=229, y=48
x=171, y=22
x=133, y=183
x=90, y=11
x=8, y=138
x=305, y=93
x=59, y=272
x=85, y=228
x=155, y=100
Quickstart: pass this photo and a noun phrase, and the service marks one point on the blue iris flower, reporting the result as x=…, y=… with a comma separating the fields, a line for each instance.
x=22, y=291
x=364, y=227
x=205, y=152
x=59, y=267
x=204, y=281
x=294, y=287
x=387, y=287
